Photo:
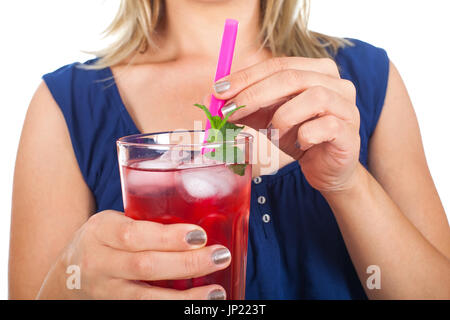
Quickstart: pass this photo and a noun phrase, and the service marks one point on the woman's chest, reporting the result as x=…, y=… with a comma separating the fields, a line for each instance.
x=162, y=97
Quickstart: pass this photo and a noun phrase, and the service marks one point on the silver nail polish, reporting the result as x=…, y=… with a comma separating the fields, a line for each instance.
x=222, y=86
x=196, y=237
x=221, y=255
x=228, y=108
x=216, y=294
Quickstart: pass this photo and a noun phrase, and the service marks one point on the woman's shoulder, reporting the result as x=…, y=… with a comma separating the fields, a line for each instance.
x=361, y=59
x=73, y=85
x=75, y=72
x=361, y=48
x=366, y=65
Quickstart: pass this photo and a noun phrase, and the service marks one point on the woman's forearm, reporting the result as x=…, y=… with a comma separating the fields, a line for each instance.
x=377, y=233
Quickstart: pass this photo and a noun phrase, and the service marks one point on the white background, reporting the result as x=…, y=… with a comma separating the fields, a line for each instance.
x=40, y=36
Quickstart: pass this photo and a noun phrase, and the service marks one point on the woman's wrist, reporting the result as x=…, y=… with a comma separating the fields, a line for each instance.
x=357, y=184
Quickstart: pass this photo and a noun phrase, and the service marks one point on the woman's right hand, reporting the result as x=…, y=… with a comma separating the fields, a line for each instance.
x=113, y=252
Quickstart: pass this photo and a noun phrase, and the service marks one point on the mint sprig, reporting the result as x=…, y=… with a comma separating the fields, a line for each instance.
x=221, y=131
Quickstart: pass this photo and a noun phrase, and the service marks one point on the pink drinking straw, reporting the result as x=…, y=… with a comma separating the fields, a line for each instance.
x=223, y=67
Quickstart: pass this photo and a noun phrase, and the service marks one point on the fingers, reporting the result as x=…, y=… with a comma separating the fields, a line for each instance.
x=312, y=103
x=284, y=85
x=141, y=291
x=115, y=230
x=242, y=79
x=154, y=265
x=326, y=129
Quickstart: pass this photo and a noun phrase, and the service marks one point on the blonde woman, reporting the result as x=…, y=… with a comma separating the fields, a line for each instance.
x=353, y=192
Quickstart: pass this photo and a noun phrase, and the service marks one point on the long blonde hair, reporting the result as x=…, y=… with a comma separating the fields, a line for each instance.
x=284, y=30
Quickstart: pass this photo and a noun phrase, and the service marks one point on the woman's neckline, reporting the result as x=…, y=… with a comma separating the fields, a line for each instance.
x=118, y=99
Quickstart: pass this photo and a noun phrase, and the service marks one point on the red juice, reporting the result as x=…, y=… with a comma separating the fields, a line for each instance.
x=213, y=197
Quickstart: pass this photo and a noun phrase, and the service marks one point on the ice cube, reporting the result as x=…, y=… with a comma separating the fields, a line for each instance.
x=170, y=159
x=157, y=164
x=141, y=181
x=207, y=182
x=175, y=156
x=136, y=179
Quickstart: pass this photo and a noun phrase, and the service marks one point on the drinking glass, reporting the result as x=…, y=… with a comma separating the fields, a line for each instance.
x=174, y=177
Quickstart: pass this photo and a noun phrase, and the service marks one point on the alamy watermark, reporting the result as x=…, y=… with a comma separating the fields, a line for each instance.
x=374, y=280
x=74, y=279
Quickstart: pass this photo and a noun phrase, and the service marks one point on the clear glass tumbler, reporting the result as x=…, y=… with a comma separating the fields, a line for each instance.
x=173, y=177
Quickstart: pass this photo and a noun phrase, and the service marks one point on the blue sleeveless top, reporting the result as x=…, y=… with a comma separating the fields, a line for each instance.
x=295, y=248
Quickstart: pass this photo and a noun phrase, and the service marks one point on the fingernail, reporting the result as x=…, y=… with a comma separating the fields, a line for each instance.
x=222, y=86
x=221, y=255
x=228, y=108
x=196, y=237
x=216, y=294
x=297, y=145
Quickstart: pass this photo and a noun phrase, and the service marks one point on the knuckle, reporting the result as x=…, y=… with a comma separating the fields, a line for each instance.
x=164, y=236
x=293, y=75
x=320, y=94
x=94, y=221
x=350, y=88
x=192, y=262
x=244, y=77
x=277, y=64
x=330, y=65
x=125, y=233
x=333, y=124
x=89, y=229
x=142, y=265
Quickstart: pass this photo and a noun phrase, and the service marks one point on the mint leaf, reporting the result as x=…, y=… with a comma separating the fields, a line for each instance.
x=222, y=130
x=216, y=121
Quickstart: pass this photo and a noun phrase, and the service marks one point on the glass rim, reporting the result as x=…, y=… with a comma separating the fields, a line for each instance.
x=240, y=138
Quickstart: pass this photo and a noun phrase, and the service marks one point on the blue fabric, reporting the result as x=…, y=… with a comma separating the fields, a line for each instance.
x=299, y=253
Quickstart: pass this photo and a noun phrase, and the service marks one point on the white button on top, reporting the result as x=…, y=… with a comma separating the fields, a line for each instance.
x=257, y=180
x=261, y=199
x=266, y=218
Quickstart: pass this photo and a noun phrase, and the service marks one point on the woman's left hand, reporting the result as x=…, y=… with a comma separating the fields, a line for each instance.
x=311, y=106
